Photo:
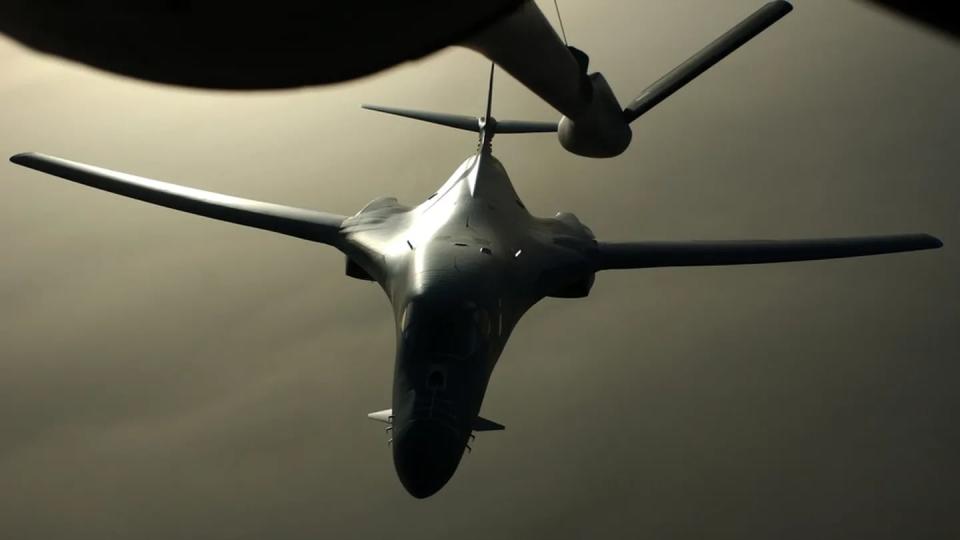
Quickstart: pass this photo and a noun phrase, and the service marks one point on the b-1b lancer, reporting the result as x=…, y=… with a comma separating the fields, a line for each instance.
x=460, y=269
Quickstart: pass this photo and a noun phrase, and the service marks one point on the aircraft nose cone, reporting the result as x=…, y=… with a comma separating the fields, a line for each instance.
x=426, y=455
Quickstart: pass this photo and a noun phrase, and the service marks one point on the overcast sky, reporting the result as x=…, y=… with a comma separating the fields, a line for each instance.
x=167, y=376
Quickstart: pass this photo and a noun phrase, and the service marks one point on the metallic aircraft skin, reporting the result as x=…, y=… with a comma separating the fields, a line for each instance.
x=459, y=270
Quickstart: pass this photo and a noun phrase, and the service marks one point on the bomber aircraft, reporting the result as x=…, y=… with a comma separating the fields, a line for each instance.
x=460, y=269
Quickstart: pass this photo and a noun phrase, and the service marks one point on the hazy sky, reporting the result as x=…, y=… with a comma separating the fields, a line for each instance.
x=167, y=376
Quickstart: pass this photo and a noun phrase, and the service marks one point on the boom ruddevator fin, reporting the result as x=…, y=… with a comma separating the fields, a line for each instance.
x=467, y=123
x=486, y=125
x=298, y=222
x=700, y=62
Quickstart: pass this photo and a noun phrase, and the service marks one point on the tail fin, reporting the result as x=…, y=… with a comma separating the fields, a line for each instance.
x=489, y=113
x=468, y=123
x=471, y=123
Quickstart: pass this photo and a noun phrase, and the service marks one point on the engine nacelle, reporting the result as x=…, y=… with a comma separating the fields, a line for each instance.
x=356, y=271
x=578, y=289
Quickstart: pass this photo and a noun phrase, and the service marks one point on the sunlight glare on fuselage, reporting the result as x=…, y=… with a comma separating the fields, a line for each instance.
x=432, y=216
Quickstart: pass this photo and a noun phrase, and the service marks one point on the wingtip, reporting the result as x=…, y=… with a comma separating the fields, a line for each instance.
x=23, y=158
x=786, y=6
x=377, y=108
x=925, y=241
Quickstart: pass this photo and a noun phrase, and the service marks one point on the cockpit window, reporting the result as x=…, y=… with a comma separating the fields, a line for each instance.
x=449, y=330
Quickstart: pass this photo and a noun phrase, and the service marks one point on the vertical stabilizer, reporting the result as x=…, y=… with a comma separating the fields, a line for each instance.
x=490, y=92
x=488, y=124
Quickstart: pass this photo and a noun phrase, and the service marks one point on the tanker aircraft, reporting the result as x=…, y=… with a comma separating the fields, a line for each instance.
x=460, y=269
x=297, y=43
x=294, y=43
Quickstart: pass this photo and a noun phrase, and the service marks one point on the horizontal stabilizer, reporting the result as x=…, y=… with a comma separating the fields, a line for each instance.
x=467, y=123
x=458, y=121
x=385, y=416
x=299, y=222
x=523, y=126
x=480, y=424
x=709, y=253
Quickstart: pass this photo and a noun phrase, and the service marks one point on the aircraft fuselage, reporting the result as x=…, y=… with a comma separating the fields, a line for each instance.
x=459, y=269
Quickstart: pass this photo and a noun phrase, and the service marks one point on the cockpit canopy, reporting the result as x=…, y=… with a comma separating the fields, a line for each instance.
x=435, y=330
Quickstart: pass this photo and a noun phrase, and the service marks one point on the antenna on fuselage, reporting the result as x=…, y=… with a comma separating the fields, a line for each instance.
x=486, y=126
